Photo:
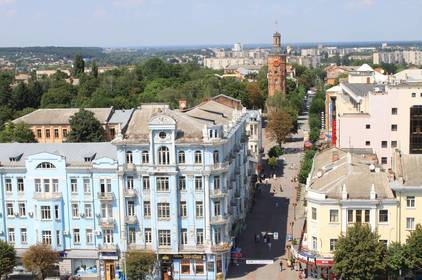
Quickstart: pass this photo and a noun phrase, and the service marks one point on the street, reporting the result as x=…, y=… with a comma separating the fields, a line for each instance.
x=273, y=213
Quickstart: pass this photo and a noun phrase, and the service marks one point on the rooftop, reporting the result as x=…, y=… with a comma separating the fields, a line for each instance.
x=408, y=169
x=362, y=89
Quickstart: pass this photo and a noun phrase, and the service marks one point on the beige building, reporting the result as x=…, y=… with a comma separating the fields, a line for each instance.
x=52, y=125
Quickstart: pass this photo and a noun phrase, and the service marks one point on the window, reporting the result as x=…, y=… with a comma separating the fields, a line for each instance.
x=184, y=236
x=333, y=243
x=314, y=213
x=410, y=223
x=75, y=210
x=131, y=208
x=199, y=267
x=56, y=133
x=11, y=235
x=393, y=144
x=37, y=183
x=358, y=216
x=163, y=155
x=46, y=237
x=367, y=126
x=181, y=157
x=199, y=209
x=131, y=235
x=106, y=210
x=350, y=216
x=216, y=157
x=105, y=185
x=413, y=94
x=394, y=127
x=182, y=183
x=21, y=186
x=147, y=209
x=89, y=236
x=394, y=111
x=46, y=185
x=145, y=183
x=9, y=207
x=8, y=183
x=45, y=212
x=383, y=160
x=64, y=132
x=88, y=210
x=58, y=237
x=39, y=133
x=74, y=185
x=129, y=183
x=47, y=133
x=46, y=165
x=198, y=183
x=148, y=236
x=145, y=157
x=164, y=237
x=87, y=186
x=383, y=144
x=410, y=201
x=162, y=135
x=367, y=216
x=217, y=236
x=129, y=157
x=22, y=210
x=216, y=182
x=183, y=209
x=56, y=212
x=108, y=236
x=314, y=243
x=199, y=236
x=198, y=157
x=163, y=210
x=383, y=216
x=333, y=216
x=185, y=266
x=24, y=236
x=162, y=184
x=76, y=236
x=217, y=208
x=55, y=185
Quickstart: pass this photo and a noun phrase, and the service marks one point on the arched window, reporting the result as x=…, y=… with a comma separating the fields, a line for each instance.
x=46, y=165
x=216, y=157
x=182, y=157
x=198, y=157
x=163, y=155
x=129, y=157
x=145, y=157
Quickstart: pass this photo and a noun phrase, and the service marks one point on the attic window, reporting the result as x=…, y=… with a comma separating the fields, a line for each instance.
x=46, y=165
x=87, y=159
x=15, y=158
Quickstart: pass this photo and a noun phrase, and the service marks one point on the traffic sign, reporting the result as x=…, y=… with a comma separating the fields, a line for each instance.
x=275, y=235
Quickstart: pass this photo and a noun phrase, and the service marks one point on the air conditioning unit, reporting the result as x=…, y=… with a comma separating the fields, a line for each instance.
x=98, y=232
x=30, y=214
x=82, y=215
x=65, y=232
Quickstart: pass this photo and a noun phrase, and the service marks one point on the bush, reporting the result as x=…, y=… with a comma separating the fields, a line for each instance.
x=7, y=257
x=306, y=166
x=272, y=162
x=275, y=151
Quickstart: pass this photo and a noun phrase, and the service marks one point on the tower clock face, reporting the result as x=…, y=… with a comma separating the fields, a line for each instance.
x=276, y=63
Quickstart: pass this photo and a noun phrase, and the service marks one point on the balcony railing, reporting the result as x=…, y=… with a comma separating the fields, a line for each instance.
x=222, y=247
x=134, y=246
x=131, y=220
x=219, y=193
x=105, y=196
x=130, y=193
x=130, y=167
x=220, y=219
x=47, y=196
x=189, y=248
x=107, y=247
x=107, y=223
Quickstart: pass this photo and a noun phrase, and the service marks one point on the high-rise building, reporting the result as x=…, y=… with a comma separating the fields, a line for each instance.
x=276, y=68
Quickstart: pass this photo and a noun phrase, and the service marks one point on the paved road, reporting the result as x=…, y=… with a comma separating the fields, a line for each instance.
x=272, y=213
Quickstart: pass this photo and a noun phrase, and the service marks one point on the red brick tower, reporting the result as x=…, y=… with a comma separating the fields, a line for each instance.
x=276, y=68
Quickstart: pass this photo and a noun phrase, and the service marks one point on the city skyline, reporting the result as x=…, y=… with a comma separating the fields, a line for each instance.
x=127, y=23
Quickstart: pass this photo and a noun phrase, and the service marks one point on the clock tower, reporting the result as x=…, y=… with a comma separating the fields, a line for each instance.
x=276, y=68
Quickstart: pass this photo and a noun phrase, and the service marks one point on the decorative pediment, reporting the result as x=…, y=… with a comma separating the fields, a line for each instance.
x=162, y=119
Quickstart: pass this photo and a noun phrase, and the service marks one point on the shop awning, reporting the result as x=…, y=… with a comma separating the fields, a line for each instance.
x=81, y=254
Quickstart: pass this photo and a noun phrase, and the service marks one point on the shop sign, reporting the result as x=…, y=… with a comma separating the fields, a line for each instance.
x=324, y=262
x=191, y=257
x=259, y=261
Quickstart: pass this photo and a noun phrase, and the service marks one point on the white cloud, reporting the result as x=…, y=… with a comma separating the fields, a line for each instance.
x=126, y=3
x=6, y=2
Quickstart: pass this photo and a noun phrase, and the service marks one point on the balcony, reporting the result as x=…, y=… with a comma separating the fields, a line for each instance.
x=191, y=249
x=220, y=166
x=220, y=219
x=131, y=193
x=221, y=248
x=134, y=246
x=47, y=196
x=130, y=167
x=107, y=223
x=107, y=247
x=219, y=193
x=131, y=220
x=105, y=196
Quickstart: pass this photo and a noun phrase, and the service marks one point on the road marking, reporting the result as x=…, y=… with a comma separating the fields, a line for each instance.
x=259, y=261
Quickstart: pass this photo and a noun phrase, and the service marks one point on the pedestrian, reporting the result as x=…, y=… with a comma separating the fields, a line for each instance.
x=269, y=246
x=276, y=205
x=265, y=239
x=281, y=188
x=281, y=266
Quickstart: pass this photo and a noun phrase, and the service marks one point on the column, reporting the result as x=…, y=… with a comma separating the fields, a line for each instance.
x=122, y=211
x=207, y=211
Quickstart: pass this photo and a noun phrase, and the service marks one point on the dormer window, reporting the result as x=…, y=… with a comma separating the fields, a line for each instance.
x=46, y=165
x=87, y=159
x=15, y=158
x=213, y=133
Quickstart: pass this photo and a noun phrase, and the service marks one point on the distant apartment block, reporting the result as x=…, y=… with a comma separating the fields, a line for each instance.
x=413, y=57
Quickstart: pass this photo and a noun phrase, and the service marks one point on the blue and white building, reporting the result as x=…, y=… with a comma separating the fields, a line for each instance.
x=177, y=183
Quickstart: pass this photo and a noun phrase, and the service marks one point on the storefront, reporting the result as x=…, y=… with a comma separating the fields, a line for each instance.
x=108, y=265
x=314, y=266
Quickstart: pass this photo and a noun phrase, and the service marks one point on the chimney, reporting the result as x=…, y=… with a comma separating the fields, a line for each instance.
x=182, y=104
x=344, y=194
x=373, y=194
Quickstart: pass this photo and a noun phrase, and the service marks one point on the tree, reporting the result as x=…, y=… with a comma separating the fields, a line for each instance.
x=139, y=265
x=78, y=65
x=414, y=243
x=84, y=127
x=7, y=257
x=275, y=151
x=19, y=132
x=40, y=259
x=359, y=254
x=397, y=260
x=272, y=162
x=279, y=126
x=94, y=69
x=59, y=95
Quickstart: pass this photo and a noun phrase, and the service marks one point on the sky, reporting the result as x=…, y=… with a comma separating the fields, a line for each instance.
x=136, y=23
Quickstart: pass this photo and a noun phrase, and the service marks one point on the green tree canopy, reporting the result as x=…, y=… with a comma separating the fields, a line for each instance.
x=279, y=126
x=78, y=65
x=19, y=132
x=139, y=265
x=40, y=259
x=397, y=259
x=7, y=258
x=84, y=127
x=414, y=243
